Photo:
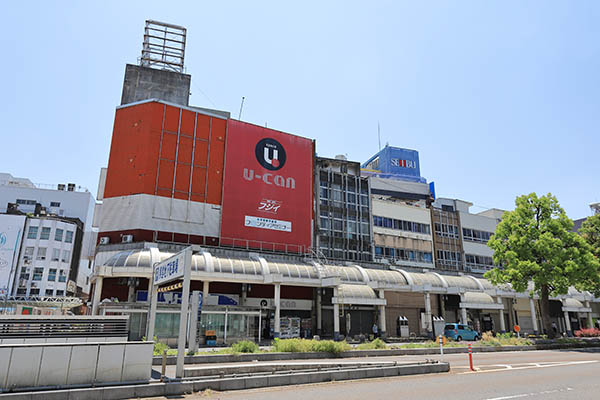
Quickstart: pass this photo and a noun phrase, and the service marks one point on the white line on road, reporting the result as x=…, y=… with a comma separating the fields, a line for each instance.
x=516, y=396
x=563, y=364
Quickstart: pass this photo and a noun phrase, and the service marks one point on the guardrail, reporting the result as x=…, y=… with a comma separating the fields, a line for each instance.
x=38, y=326
x=29, y=366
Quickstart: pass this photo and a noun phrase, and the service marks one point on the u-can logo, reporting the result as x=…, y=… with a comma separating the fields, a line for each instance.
x=270, y=154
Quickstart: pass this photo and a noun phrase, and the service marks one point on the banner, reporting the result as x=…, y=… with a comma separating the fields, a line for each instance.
x=11, y=235
x=268, y=189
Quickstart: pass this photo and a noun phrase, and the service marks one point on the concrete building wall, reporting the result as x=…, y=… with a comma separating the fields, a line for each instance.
x=142, y=83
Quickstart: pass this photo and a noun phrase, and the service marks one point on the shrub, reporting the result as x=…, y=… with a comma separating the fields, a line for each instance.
x=374, y=345
x=304, y=346
x=158, y=346
x=245, y=346
x=591, y=332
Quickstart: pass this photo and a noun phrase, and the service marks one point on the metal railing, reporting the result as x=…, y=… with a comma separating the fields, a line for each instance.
x=35, y=326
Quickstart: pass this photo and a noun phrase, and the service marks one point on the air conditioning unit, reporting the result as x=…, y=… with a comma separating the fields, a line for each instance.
x=127, y=238
x=61, y=186
x=70, y=187
x=106, y=240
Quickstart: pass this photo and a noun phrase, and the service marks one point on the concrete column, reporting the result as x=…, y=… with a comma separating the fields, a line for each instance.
x=205, y=291
x=536, y=330
x=382, y=327
x=568, y=324
x=589, y=316
x=97, y=295
x=319, y=311
x=277, y=328
x=463, y=315
x=131, y=292
x=511, y=315
x=502, y=323
x=244, y=294
x=336, y=317
x=428, y=326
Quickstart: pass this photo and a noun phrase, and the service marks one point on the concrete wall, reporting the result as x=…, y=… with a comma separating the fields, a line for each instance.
x=143, y=83
x=35, y=365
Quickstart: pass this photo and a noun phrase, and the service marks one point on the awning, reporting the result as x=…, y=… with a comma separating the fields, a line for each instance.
x=574, y=305
x=480, y=300
x=357, y=295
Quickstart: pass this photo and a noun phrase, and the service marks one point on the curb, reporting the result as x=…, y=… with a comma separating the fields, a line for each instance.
x=233, y=358
x=188, y=387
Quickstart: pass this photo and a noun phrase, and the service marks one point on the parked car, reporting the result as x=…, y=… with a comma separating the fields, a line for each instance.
x=460, y=332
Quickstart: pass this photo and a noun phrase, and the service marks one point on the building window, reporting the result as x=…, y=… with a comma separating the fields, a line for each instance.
x=34, y=292
x=41, y=253
x=474, y=235
x=28, y=254
x=45, y=233
x=49, y=292
x=58, y=235
x=24, y=275
x=32, y=233
x=52, y=275
x=66, y=256
x=26, y=202
x=37, y=274
x=55, y=255
x=69, y=237
x=63, y=276
x=55, y=204
x=21, y=291
x=60, y=292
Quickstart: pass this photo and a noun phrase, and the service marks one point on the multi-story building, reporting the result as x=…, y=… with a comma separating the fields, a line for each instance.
x=61, y=200
x=343, y=226
x=447, y=240
x=476, y=232
x=45, y=255
x=400, y=197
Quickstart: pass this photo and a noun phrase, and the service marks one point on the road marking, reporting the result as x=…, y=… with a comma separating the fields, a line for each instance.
x=554, y=364
x=517, y=396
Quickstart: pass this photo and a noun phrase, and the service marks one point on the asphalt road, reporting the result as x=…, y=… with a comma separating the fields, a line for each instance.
x=558, y=374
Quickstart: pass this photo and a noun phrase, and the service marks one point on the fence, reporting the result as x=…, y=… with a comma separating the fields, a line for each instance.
x=26, y=366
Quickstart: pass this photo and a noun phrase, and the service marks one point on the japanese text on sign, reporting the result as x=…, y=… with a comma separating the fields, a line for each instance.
x=268, y=223
x=169, y=270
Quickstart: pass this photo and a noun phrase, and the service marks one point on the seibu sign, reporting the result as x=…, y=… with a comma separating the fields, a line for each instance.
x=267, y=188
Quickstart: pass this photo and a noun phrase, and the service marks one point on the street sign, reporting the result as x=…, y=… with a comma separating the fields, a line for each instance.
x=517, y=328
x=170, y=269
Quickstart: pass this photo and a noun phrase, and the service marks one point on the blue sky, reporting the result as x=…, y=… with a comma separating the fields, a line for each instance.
x=499, y=97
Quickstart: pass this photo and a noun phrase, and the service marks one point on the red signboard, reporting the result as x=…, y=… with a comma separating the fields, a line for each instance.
x=267, y=189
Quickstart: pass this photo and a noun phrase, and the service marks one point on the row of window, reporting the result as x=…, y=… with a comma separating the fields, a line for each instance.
x=38, y=273
x=452, y=256
x=33, y=202
x=404, y=254
x=446, y=230
x=344, y=225
x=401, y=225
x=36, y=292
x=479, y=260
x=42, y=254
x=346, y=254
x=45, y=234
x=474, y=235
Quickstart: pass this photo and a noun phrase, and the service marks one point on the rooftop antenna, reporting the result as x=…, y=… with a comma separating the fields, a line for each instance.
x=379, y=135
x=241, y=107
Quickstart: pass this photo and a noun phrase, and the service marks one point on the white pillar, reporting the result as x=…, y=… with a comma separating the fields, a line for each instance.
x=244, y=294
x=463, y=315
x=533, y=316
x=428, y=326
x=97, y=295
x=568, y=324
x=382, y=327
x=589, y=316
x=336, y=316
x=277, y=328
x=192, y=340
x=502, y=323
x=319, y=312
x=205, y=287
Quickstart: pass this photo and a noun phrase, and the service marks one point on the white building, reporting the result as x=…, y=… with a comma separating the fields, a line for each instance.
x=62, y=200
x=46, y=257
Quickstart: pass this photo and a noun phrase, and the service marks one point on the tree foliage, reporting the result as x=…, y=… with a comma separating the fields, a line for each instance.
x=535, y=243
x=590, y=231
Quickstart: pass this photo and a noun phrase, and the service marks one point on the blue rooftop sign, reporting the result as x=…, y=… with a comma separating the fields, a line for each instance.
x=395, y=162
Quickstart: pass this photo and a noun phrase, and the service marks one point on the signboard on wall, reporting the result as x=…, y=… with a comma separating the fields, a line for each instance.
x=11, y=234
x=267, y=194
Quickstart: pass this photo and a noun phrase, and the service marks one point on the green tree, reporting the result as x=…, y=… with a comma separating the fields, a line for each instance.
x=535, y=243
x=590, y=230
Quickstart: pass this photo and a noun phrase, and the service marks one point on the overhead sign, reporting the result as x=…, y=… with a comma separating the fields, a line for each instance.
x=170, y=269
x=267, y=188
